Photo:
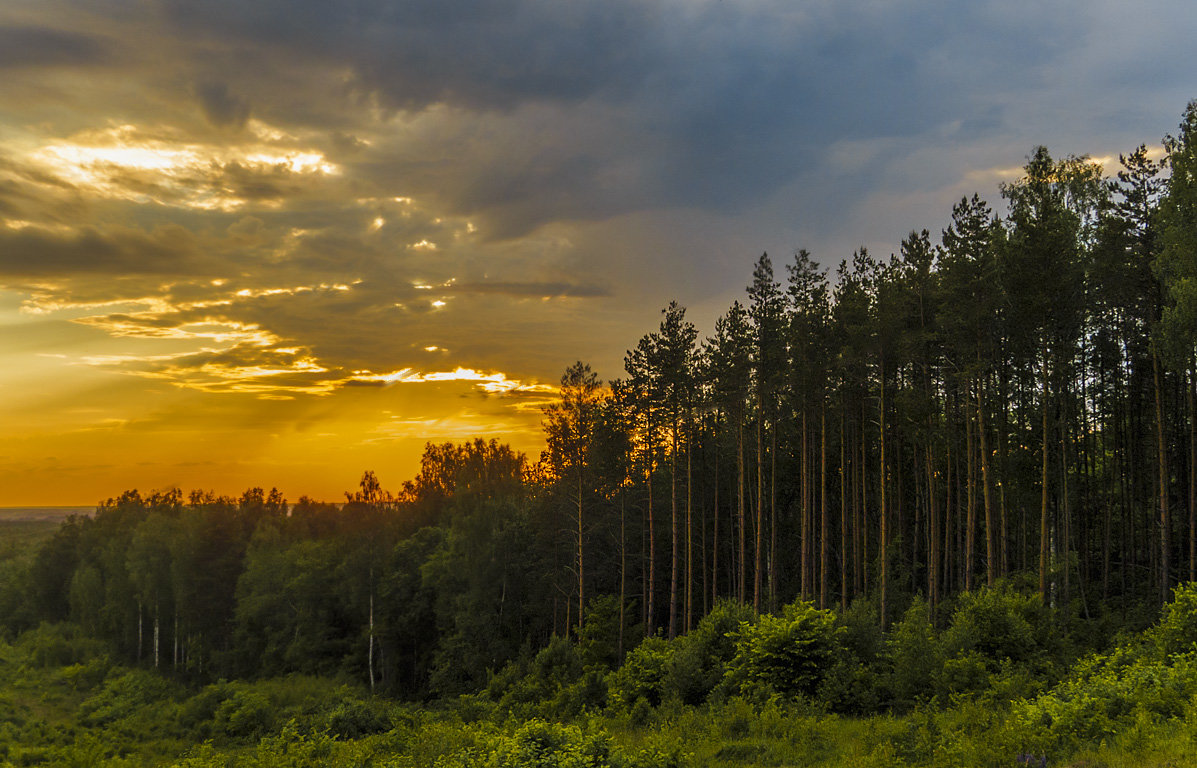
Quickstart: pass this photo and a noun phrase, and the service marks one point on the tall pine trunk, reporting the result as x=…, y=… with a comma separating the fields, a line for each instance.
x=673, y=557
x=371, y=631
x=990, y=533
x=883, y=544
x=1162, y=464
x=715, y=529
x=971, y=511
x=1043, y=532
x=932, y=533
x=760, y=461
x=650, y=624
x=1192, y=397
x=845, y=548
x=804, y=537
x=773, y=516
x=741, y=581
x=824, y=552
x=581, y=560
x=623, y=568
x=689, y=603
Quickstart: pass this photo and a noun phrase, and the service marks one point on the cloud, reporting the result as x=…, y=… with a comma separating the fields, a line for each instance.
x=589, y=110
x=221, y=107
x=36, y=252
x=539, y=290
x=214, y=204
x=31, y=46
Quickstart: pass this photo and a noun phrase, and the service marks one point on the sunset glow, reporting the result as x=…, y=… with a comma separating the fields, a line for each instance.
x=253, y=247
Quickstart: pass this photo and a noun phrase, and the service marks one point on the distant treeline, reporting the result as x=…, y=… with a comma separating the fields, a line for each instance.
x=1014, y=402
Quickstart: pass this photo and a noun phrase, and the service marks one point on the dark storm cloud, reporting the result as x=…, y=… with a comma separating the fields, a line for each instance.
x=31, y=252
x=486, y=53
x=712, y=104
x=35, y=46
x=497, y=152
x=541, y=290
x=221, y=107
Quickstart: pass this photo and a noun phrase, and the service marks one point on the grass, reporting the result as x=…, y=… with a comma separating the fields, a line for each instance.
x=48, y=717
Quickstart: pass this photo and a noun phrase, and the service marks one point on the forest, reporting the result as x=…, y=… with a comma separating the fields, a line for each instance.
x=934, y=509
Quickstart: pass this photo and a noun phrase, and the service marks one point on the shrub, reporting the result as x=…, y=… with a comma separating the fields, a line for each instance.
x=553, y=684
x=854, y=684
x=244, y=714
x=59, y=645
x=125, y=695
x=535, y=744
x=1106, y=693
x=88, y=675
x=1177, y=631
x=598, y=640
x=912, y=652
x=353, y=718
x=589, y=693
x=642, y=676
x=197, y=712
x=698, y=660
x=789, y=653
x=998, y=632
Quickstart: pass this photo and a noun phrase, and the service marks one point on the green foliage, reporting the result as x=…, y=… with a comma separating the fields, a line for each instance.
x=541, y=744
x=198, y=711
x=244, y=714
x=598, y=639
x=56, y=645
x=1105, y=694
x=912, y=653
x=642, y=676
x=290, y=614
x=354, y=718
x=125, y=694
x=1176, y=632
x=789, y=653
x=699, y=658
x=486, y=577
x=293, y=747
x=88, y=675
x=1177, y=263
x=687, y=669
x=553, y=684
x=855, y=682
x=1000, y=633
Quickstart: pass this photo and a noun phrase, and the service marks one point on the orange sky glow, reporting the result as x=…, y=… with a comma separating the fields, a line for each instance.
x=273, y=244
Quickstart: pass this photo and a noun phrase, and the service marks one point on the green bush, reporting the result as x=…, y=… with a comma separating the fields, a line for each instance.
x=789, y=653
x=354, y=718
x=125, y=695
x=88, y=675
x=912, y=653
x=598, y=640
x=698, y=660
x=59, y=645
x=292, y=747
x=587, y=694
x=197, y=712
x=855, y=682
x=1003, y=633
x=642, y=676
x=1106, y=693
x=534, y=744
x=555, y=683
x=538, y=744
x=1176, y=632
x=244, y=714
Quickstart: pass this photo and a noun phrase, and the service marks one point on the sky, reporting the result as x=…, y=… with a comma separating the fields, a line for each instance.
x=283, y=242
